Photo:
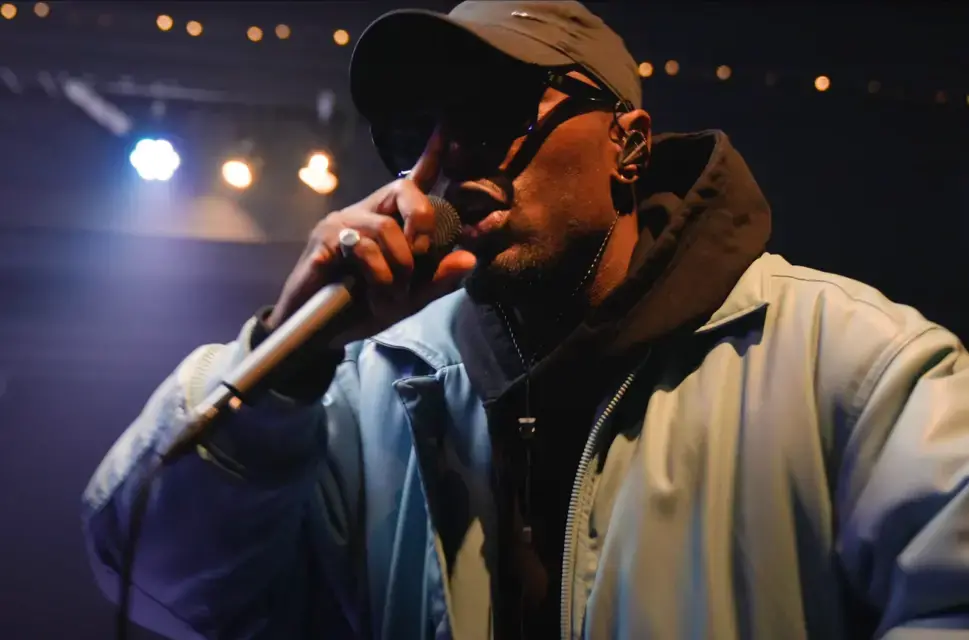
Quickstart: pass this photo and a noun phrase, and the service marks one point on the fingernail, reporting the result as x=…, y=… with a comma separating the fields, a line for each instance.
x=422, y=244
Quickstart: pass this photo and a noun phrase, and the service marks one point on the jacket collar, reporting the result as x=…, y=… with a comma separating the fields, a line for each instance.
x=428, y=334
x=750, y=294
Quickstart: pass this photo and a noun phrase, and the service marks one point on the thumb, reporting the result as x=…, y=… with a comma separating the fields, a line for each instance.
x=447, y=277
x=454, y=266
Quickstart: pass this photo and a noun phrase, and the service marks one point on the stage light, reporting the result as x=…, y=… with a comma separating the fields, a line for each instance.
x=42, y=9
x=341, y=37
x=164, y=22
x=328, y=183
x=317, y=175
x=319, y=162
x=723, y=72
x=194, y=28
x=672, y=67
x=645, y=69
x=822, y=83
x=8, y=11
x=237, y=174
x=323, y=183
x=283, y=31
x=254, y=34
x=155, y=159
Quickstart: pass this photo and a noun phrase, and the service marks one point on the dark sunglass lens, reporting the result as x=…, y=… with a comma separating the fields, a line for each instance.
x=400, y=144
x=496, y=122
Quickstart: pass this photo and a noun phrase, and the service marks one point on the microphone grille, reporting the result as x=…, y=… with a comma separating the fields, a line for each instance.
x=447, y=223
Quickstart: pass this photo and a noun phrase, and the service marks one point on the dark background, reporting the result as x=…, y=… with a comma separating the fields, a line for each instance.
x=105, y=287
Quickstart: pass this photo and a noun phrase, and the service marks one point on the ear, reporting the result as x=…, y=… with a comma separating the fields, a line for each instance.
x=634, y=142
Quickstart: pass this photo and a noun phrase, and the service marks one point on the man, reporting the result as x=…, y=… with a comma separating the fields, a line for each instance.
x=629, y=422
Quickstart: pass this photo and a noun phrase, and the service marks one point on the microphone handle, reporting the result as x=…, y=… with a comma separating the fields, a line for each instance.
x=325, y=305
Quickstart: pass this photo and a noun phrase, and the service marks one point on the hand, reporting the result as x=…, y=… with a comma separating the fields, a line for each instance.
x=384, y=257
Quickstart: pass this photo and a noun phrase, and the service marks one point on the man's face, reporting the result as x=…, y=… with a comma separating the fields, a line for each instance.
x=543, y=227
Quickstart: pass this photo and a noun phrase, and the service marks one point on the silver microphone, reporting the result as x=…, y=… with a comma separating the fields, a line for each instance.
x=320, y=310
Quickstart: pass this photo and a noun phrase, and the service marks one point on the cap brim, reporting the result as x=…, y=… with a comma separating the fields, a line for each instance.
x=413, y=59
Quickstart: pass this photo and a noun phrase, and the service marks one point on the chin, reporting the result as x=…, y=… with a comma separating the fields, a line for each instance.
x=518, y=270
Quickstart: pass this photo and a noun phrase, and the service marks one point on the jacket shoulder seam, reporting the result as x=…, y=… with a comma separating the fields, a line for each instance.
x=887, y=354
x=836, y=285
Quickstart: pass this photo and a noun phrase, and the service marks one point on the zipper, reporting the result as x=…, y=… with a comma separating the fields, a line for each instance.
x=570, y=520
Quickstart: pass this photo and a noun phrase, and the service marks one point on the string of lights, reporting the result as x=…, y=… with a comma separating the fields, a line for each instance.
x=167, y=23
x=157, y=159
x=821, y=82
x=254, y=33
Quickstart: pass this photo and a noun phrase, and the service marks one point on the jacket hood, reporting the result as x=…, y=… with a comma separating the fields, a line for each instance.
x=703, y=222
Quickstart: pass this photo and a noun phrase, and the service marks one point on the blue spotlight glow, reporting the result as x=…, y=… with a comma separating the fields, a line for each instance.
x=155, y=159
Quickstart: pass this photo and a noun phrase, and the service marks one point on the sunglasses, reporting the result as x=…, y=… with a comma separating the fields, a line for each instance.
x=484, y=122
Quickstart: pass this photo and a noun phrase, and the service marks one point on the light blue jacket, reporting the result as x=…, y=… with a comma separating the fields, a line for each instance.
x=810, y=465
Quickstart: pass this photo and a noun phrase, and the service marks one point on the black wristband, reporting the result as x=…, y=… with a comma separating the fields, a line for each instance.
x=305, y=374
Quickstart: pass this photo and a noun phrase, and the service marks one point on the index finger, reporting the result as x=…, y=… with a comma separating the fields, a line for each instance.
x=428, y=167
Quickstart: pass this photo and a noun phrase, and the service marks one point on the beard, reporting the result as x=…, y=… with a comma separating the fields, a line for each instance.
x=536, y=271
x=524, y=263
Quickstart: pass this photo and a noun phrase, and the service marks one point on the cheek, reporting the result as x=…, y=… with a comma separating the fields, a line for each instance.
x=567, y=183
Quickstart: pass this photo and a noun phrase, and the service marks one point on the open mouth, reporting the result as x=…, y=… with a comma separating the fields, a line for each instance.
x=476, y=200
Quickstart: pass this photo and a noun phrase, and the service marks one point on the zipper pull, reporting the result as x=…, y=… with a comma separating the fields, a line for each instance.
x=526, y=429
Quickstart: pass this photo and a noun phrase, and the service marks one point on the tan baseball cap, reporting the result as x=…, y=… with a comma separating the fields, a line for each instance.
x=410, y=57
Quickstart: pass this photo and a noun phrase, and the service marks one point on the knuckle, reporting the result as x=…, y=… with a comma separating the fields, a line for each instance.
x=367, y=249
x=386, y=226
x=407, y=190
x=326, y=225
x=423, y=209
x=319, y=229
x=379, y=272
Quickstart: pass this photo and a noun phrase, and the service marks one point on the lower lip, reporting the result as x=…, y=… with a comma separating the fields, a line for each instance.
x=488, y=224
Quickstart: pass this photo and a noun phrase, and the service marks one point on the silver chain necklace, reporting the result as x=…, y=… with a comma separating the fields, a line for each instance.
x=528, y=363
x=527, y=422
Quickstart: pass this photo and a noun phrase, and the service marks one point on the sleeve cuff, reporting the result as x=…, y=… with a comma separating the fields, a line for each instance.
x=306, y=374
